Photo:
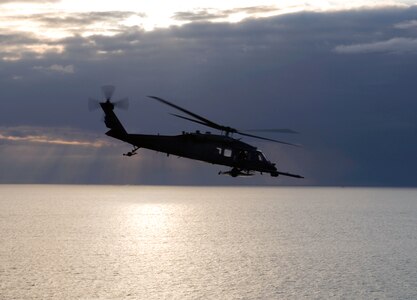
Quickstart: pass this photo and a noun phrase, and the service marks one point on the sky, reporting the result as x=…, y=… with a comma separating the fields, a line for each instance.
x=343, y=75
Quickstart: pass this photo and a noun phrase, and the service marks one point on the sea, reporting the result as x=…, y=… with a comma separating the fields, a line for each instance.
x=161, y=242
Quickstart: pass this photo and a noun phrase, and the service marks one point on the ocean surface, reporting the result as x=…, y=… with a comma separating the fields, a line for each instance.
x=143, y=242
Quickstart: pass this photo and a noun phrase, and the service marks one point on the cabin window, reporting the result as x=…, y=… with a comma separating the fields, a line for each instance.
x=224, y=151
x=227, y=152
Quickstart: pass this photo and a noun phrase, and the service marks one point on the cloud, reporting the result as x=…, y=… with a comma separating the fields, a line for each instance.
x=406, y=24
x=47, y=135
x=215, y=14
x=394, y=45
x=68, y=69
x=19, y=45
x=253, y=9
x=199, y=15
x=34, y=35
x=79, y=22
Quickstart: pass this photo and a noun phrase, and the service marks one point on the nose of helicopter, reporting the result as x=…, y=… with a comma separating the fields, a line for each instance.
x=273, y=169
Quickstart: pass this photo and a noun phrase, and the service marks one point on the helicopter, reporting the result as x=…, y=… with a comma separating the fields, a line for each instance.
x=219, y=149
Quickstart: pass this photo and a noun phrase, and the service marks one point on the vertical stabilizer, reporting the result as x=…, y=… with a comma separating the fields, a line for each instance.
x=112, y=122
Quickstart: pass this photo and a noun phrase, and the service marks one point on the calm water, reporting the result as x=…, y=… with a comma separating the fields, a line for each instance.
x=103, y=242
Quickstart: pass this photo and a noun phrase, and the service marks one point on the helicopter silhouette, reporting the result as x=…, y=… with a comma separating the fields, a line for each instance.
x=220, y=149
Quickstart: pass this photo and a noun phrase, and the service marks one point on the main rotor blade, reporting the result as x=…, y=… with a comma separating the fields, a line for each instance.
x=108, y=91
x=267, y=139
x=278, y=130
x=206, y=122
x=189, y=119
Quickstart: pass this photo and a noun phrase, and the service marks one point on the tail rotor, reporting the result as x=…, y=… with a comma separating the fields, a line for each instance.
x=122, y=103
x=108, y=91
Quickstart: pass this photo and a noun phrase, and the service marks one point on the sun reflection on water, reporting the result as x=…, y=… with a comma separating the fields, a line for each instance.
x=149, y=218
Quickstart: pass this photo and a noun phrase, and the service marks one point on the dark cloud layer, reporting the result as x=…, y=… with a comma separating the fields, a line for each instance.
x=345, y=80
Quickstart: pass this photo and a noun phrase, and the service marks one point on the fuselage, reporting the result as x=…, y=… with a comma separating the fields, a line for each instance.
x=207, y=147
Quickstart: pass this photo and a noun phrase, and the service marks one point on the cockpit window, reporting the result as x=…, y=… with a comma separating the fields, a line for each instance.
x=260, y=156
